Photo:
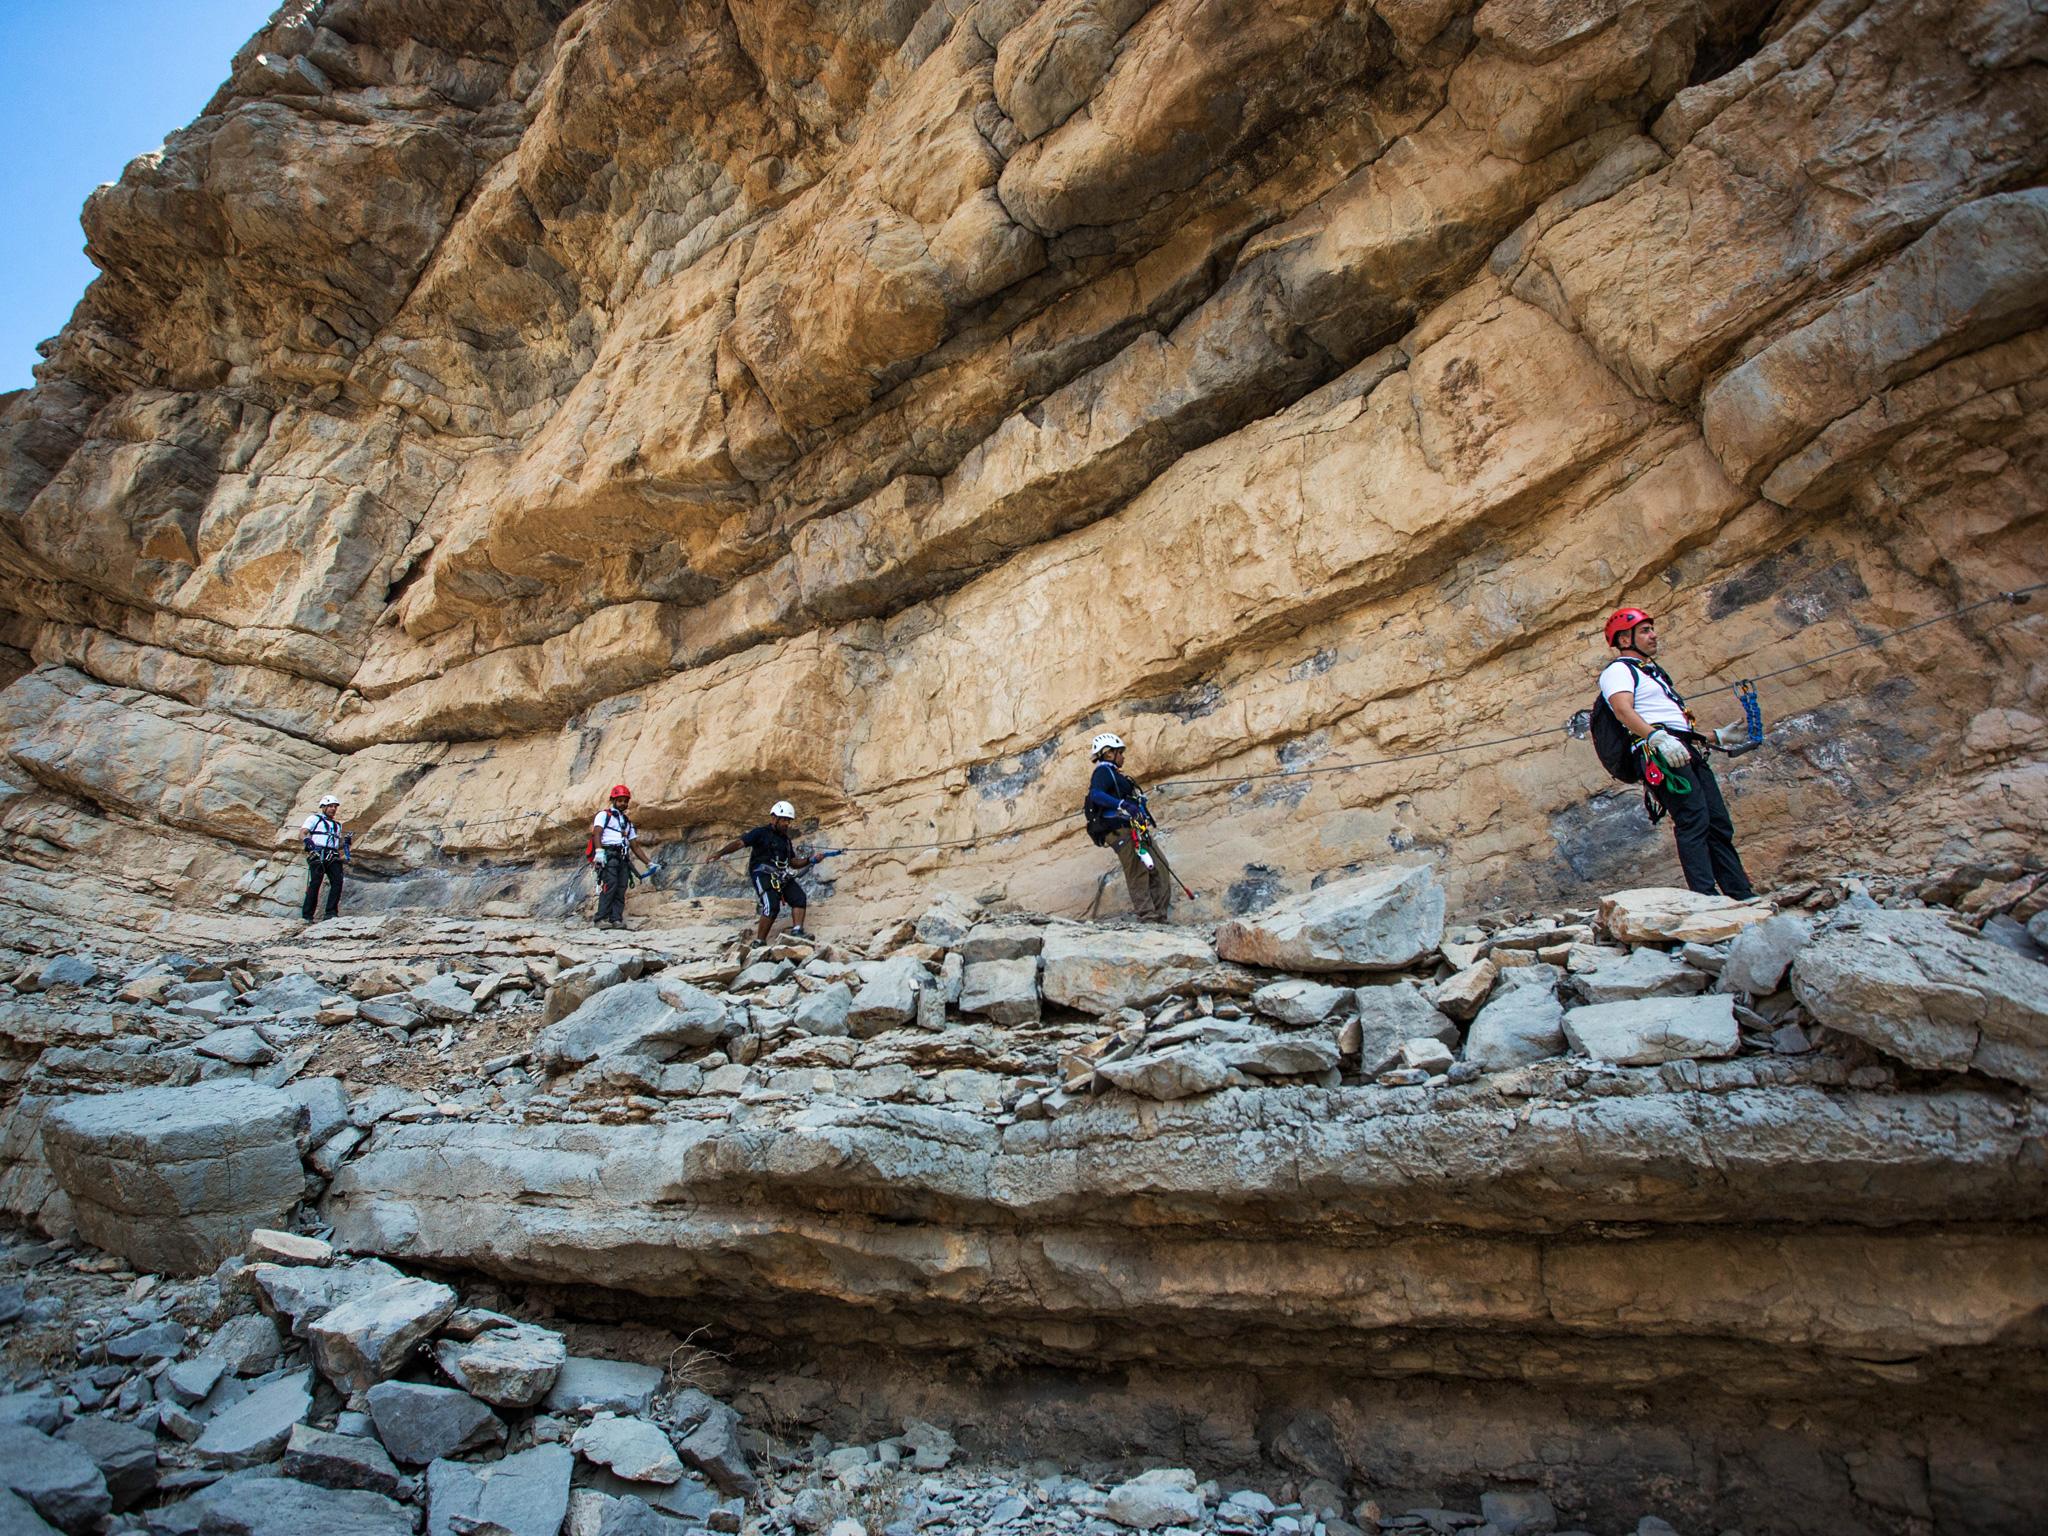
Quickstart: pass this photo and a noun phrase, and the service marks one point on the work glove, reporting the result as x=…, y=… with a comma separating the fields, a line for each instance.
x=1729, y=737
x=1670, y=751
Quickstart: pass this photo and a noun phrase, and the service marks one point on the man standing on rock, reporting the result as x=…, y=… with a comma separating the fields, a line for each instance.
x=614, y=844
x=1648, y=705
x=327, y=849
x=772, y=861
x=1118, y=818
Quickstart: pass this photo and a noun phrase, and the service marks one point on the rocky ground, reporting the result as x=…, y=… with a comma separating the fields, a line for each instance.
x=253, y=1136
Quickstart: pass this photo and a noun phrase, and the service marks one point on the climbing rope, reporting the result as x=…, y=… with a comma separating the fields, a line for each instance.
x=1744, y=689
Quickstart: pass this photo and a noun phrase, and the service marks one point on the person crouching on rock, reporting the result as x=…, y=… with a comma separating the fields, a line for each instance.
x=1117, y=817
x=613, y=847
x=327, y=850
x=1647, y=703
x=772, y=861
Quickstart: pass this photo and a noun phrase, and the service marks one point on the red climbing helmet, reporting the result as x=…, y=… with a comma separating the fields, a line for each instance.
x=1624, y=622
x=620, y=792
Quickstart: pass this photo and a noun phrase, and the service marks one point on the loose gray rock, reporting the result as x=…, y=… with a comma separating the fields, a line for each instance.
x=1000, y=941
x=257, y=1428
x=241, y=1046
x=340, y=1461
x=146, y=1346
x=1388, y=1015
x=124, y=1453
x=889, y=997
x=1521, y=1026
x=1655, y=1029
x=510, y=1367
x=19, y=1518
x=294, y=995
x=522, y=1495
x=635, y=1018
x=281, y=1506
x=175, y=1179
x=418, y=1424
x=1518, y=1512
x=578, y=984
x=1640, y=973
x=248, y=1345
x=1463, y=994
x=1154, y=1499
x=1383, y=921
x=1176, y=1074
x=444, y=1000
x=1100, y=970
x=326, y=1104
x=589, y=1385
x=38, y=1409
x=824, y=1012
x=1759, y=956
x=369, y=1339
x=1299, y=1002
x=712, y=1445
x=189, y=1381
x=1286, y=1056
x=633, y=1448
x=66, y=971
x=58, y=1479
x=1003, y=991
x=1912, y=986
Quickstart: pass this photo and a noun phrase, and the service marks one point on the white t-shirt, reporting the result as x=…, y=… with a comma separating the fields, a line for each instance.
x=1653, y=700
x=614, y=829
x=325, y=833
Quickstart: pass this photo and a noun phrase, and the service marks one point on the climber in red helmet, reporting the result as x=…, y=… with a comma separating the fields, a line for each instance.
x=1649, y=707
x=613, y=846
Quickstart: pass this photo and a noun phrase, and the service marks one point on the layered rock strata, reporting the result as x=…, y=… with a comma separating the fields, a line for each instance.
x=481, y=404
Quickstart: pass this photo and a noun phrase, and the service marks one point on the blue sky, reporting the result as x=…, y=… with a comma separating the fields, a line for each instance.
x=85, y=87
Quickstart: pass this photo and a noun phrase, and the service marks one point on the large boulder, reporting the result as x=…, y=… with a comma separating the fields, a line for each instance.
x=1003, y=991
x=635, y=1018
x=282, y=1506
x=1383, y=921
x=1522, y=1025
x=257, y=1428
x=1643, y=972
x=1659, y=914
x=419, y=1424
x=1392, y=1014
x=889, y=997
x=511, y=1366
x=1916, y=988
x=59, y=1480
x=175, y=1179
x=1299, y=1002
x=522, y=1495
x=370, y=1338
x=1762, y=954
x=1641, y=1032
x=1180, y=1073
x=1099, y=970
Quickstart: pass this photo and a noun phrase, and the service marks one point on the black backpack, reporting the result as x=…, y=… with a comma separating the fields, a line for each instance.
x=1611, y=740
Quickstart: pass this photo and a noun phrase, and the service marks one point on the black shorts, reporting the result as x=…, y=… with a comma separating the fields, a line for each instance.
x=769, y=893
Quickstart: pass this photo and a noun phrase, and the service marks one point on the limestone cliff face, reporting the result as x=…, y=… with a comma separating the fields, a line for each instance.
x=486, y=400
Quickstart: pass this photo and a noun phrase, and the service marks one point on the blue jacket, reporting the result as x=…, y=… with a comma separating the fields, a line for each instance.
x=1112, y=793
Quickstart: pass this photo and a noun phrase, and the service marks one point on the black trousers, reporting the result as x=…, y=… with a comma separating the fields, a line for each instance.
x=1705, y=832
x=613, y=876
x=316, y=870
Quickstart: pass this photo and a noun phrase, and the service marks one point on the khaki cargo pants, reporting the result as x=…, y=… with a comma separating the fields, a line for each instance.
x=1151, y=889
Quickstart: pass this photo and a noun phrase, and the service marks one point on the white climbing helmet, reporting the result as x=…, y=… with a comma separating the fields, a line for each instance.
x=327, y=800
x=1108, y=741
x=783, y=808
